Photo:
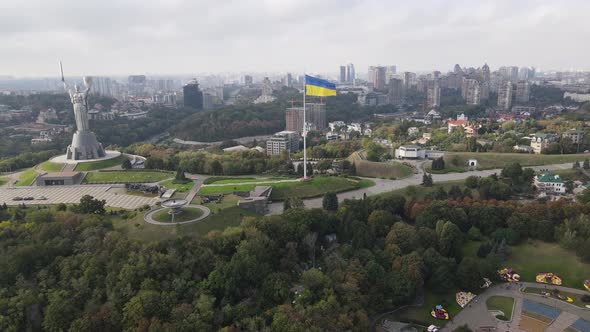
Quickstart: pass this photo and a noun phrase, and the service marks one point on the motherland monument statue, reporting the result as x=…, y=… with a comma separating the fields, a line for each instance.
x=84, y=145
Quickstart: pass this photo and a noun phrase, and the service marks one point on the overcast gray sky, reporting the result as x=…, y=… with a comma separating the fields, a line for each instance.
x=110, y=37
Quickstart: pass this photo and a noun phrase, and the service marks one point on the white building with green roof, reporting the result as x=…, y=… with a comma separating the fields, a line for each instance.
x=549, y=183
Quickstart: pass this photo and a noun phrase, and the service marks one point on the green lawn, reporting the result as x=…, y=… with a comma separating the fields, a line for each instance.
x=541, y=289
x=571, y=174
x=502, y=303
x=49, y=166
x=26, y=178
x=316, y=187
x=188, y=213
x=181, y=186
x=421, y=314
x=455, y=161
x=126, y=176
x=3, y=181
x=96, y=165
x=383, y=170
x=547, y=257
x=218, y=220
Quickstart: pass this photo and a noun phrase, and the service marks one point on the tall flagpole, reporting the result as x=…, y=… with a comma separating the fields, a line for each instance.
x=304, y=130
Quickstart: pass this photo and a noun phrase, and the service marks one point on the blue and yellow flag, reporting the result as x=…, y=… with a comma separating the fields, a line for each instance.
x=317, y=87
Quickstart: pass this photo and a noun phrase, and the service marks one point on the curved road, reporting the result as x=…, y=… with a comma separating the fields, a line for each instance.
x=383, y=185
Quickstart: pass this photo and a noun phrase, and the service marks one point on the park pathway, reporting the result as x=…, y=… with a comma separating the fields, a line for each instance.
x=193, y=192
x=562, y=322
x=68, y=167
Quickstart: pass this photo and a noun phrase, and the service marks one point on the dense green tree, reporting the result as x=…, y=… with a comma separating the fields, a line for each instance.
x=126, y=164
x=90, y=205
x=403, y=236
x=427, y=180
x=330, y=201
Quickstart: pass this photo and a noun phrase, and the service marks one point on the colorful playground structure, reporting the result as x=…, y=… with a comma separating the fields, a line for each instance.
x=463, y=298
x=509, y=275
x=549, y=278
x=440, y=313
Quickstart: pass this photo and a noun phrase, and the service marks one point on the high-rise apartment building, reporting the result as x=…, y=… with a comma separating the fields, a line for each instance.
x=282, y=141
x=471, y=92
x=390, y=72
x=509, y=73
x=343, y=74
x=485, y=73
x=409, y=80
x=315, y=115
x=526, y=73
x=248, y=80
x=136, y=85
x=505, y=95
x=523, y=91
x=193, y=96
x=433, y=95
x=102, y=86
x=395, y=91
x=350, y=74
x=289, y=80
x=379, y=78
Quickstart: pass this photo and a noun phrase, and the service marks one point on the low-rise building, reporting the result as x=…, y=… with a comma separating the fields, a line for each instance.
x=577, y=136
x=416, y=152
x=413, y=131
x=549, y=183
x=58, y=178
x=452, y=124
x=282, y=141
x=540, y=141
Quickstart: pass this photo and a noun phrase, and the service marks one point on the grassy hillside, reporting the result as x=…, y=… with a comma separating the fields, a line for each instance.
x=456, y=161
x=94, y=165
x=385, y=170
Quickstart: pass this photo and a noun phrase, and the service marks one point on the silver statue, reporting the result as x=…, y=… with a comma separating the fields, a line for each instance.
x=84, y=144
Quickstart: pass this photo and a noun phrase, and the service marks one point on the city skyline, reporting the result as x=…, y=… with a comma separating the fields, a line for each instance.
x=181, y=37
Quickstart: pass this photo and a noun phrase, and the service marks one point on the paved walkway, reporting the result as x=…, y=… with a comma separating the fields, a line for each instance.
x=72, y=194
x=382, y=185
x=193, y=192
x=477, y=315
x=149, y=216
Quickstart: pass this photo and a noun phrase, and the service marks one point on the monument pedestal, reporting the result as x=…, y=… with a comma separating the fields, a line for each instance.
x=84, y=146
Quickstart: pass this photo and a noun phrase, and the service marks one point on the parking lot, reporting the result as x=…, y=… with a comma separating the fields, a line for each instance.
x=72, y=194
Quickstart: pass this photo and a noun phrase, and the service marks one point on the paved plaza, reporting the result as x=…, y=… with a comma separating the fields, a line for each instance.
x=72, y=194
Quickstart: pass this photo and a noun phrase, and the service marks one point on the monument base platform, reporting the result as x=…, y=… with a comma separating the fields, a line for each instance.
x=62, y=159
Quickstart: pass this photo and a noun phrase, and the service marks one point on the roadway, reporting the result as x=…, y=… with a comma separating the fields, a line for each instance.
x=384, y=185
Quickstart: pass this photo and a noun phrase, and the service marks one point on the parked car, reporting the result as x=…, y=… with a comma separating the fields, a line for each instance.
x=42, y=198
x=17, y=199
x=28, y=198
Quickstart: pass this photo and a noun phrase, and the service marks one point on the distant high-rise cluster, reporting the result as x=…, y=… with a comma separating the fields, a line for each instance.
x=102, y=86
x=523, y=91
x=347, y=74
x=315, y=116
x=395, y=92
x=433, y=95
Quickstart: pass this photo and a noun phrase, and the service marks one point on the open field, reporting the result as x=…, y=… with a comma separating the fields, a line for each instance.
x=534, y=257
x=230, y=180
x=26, y=178
x=188, y=213
x=421, y=314
x=532, y=323
x=571, y=174
x=96, y=165
x=49, y=166
x=179, y=186
x=313, y=188
x=384, y=170
x=3, y=181
x=456, y=161
x=223, y=215
x=126, y=176
x=501, y=303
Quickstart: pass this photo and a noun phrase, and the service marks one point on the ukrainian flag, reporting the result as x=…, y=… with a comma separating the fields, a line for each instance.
x=318, y=87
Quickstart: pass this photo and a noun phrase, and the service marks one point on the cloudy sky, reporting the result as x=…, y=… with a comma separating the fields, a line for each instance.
x=111, y=37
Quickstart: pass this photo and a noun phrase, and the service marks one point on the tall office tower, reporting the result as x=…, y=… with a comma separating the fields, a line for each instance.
x=371, y=74
x=136, y=85
x=379, y=79
x=457, y=69
x=470, y=90
x=289, y=80
x=433, y=95
x=395, y=93
x=315, y=115
x=248, y=80
x=485, y=72
x=350, y=74
x=193, y=96
x=509, y=73
x=505, y=95
x=526, y=73
x=102, y=86
x=436, y=74
x=523, y=91
x=343, y=74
